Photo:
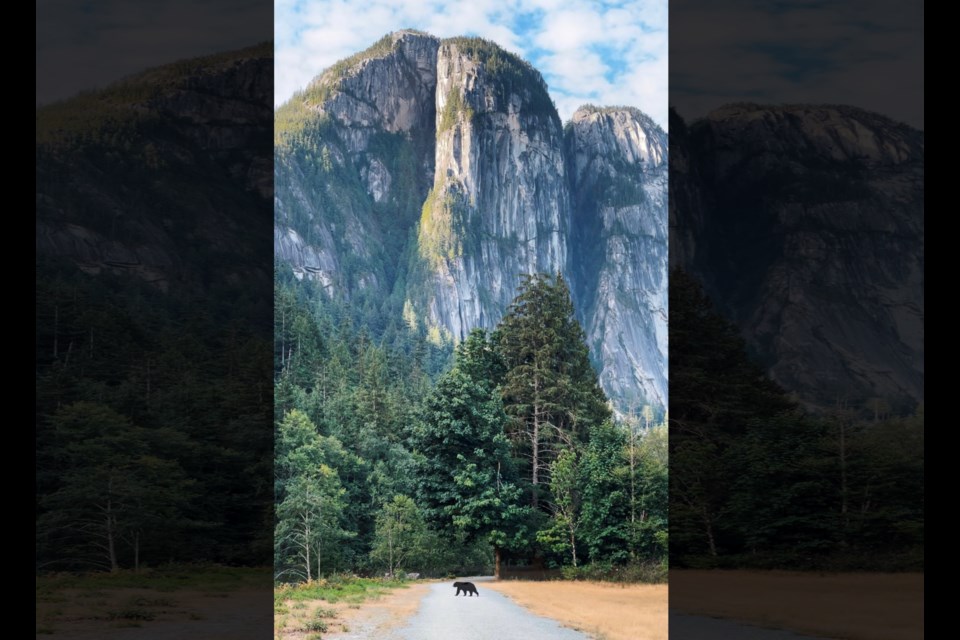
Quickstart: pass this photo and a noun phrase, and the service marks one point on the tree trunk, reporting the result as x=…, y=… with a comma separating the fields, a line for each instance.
x=306, y=546
x=708, y=523
x=111, y=543
x=844, y=493
x=111, y=525
x=573, y=546
x=390, y=550
x=136, y=552
x=497, y=553
x=320, y=554
x=633, y=492
x=535, y=480
x=534, y=493
x=56, y=330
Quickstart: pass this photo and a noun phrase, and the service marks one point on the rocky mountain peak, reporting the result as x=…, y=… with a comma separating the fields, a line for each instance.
x=132, y=178
x=439, y=171
x=829, y=133
x=805, y=223
x=618, y=160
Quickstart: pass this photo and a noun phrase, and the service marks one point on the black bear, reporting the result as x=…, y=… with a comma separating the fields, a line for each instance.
x=467, y=588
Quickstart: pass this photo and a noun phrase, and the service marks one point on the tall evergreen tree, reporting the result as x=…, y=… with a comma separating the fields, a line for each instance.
x=467, y=482
x=743, y=473
x=550, y=389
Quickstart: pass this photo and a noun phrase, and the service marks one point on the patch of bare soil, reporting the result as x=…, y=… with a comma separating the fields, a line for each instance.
x=349, y=621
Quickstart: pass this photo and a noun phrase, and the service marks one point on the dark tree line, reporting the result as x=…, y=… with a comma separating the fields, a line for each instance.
x=755, y=481
x=150, y=416
x=412, y=462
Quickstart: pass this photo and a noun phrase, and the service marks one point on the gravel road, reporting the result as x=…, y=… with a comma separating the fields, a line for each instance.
x=491, y=616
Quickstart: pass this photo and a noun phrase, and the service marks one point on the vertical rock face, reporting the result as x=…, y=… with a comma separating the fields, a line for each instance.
x=805, y=224
x=390, y=88
x=499, y=205
x=618, y=161
x=435, y=173
x=354, y=158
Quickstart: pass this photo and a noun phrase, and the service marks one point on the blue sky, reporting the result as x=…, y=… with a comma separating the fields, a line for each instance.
x=868, y=53
x=603, y=52
x=84, y=45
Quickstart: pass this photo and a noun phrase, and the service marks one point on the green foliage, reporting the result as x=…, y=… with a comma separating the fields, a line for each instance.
x=114, y=488
x=453, y=106
x=336, y=587
x=320, y=184
x=606, y=513
x=316, y=625
x=431, y=480
x=756, y=482
x=566, y=488
x=349, y=377
x=648, y=572
x=401, y=540
x=550, y=389
x=310, y=511
x=466, y=475
x=154, y=412
x=116, y=114
x=443, y=227
x=509, y=74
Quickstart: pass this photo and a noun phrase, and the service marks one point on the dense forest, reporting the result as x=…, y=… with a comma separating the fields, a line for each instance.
x=154, y=319
x=396, y=453
x=757, y=481
x=152, y=423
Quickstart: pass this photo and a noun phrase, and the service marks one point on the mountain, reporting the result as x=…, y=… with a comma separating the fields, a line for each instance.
x=805, y=225
x=431, y=173
x=618, y=164
x=154, y=318
x=164, y=175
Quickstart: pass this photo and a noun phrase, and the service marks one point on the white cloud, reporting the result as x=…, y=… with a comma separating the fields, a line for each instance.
x=867, y=53
x=571, y=30
x=588, y=51
x=82, y=45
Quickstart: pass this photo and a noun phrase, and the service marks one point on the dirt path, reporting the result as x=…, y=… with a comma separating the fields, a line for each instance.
x=374, y=618
x=490, y=616
x=510, y=610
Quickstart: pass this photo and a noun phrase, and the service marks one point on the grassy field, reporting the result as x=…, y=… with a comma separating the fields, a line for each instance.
x=606, y=611
x=99, y=604
x=859, y=606
x=328, y=606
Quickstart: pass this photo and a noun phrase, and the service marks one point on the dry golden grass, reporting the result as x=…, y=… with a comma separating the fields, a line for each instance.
x=372, y=618
x=859, y=606
x=604, y=610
